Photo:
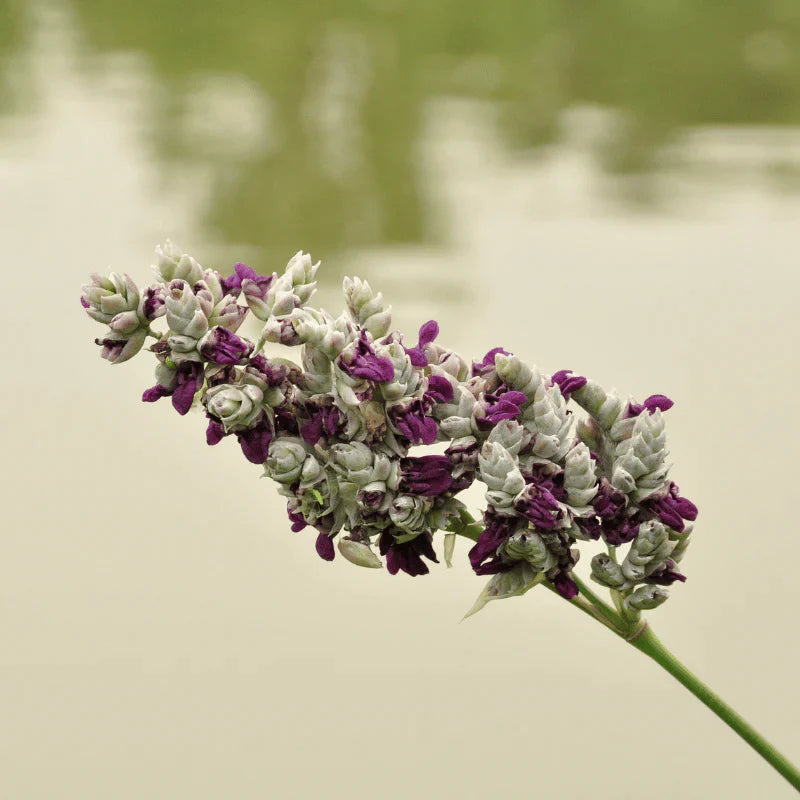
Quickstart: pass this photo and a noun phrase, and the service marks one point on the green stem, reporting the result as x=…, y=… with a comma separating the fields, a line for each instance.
x=650, y=645
x=618, y=622
x=640, y=635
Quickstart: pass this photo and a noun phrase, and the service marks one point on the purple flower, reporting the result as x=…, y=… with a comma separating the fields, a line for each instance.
x=255, y=441
x=286, y=421
x=297, y=519
x=568, y=383
x=223, y=347
x=487, y=365
x=538, y=505
x=409, y=419
x=154, y=302
x=427, y=333
x=118, y=347
x=671, y=508
x=363, y=362
x=233, y=283
x=463, y=457
x=155, y=393
x=214, y=432
x=426, y=475
x=254, y=286
x=408, y=555
x=666, y=574
x=324, y=421
x=614, y=523
x=620, y=531
x=440, y=390
x=501, y=406
x=190, y=379
x=609, y=502
x=590, y=526
x=564, y=584
x=653, y=402
x=371, y=499
x=483, y=554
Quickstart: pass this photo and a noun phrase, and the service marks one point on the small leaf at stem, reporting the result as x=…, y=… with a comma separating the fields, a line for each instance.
x=449, y=547
x=518, y=580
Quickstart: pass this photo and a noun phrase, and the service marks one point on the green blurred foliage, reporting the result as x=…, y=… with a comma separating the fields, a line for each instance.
x=15, y=32
x=357, y=74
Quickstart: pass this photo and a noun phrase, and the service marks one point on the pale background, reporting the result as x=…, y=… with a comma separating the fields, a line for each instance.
x=162, y=632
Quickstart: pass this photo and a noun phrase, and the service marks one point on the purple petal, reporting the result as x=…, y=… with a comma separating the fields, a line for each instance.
x=325, y=548
x=565, y=586
x=154, y=305
x=426, y=475
x=658, y=401
x=214, y=432
x=567, y=382
x=428, y=332
x=297, y=520
x=190, y=378
x=155, y=393
x=416, y=356
x=84, y=302
x=440, y=390
x=255, y=443
x=312, y=430
x=487, y=365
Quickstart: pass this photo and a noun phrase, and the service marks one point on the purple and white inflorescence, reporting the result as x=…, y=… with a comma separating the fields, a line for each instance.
x=335, y=429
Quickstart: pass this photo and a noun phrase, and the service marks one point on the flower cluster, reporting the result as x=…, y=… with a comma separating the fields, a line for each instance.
x=336, y=427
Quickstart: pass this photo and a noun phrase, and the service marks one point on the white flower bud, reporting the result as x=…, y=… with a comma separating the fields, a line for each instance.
x=580, y=481
x=498, y=469
x=286, y=458
x=406, y=379
x=590, y=434
x=648, y=551
x=607, y=572
x=294, y=288
x=605, y=407
x=519, y=376
x=529, y=546
x=409, y=512
x=172, y=265
x=645, y=598
x=511, y=435
x=548, y=419
x=105, y=298
x=642, y=456
x=367, y=308
x=184, y=313
x=236, y=407
x=119, y=347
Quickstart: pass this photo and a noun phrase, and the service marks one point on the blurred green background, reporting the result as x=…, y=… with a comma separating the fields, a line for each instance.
x=307, y=118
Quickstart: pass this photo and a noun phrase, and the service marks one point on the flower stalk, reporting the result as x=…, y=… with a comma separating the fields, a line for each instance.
x=640, y=635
